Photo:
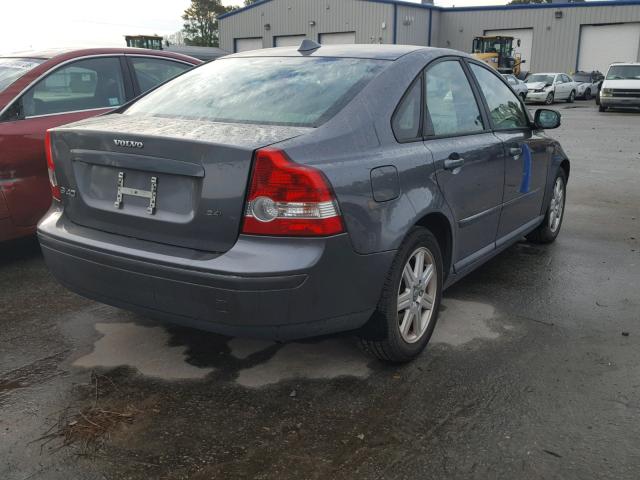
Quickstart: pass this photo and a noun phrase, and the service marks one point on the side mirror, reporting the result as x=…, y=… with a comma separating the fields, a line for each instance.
x=547, y=119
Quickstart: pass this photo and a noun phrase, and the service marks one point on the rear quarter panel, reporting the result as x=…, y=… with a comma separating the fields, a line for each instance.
x=359, y=139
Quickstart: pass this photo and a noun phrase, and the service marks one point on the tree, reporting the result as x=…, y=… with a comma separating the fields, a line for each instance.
x=200, y=23
x=249, y=2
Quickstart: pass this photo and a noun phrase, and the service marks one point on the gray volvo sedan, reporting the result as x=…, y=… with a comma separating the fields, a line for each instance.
x=295, y=192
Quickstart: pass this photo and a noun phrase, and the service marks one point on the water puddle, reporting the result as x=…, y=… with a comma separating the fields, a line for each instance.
x=462, y=321
x=143, y=348
x=323, y=360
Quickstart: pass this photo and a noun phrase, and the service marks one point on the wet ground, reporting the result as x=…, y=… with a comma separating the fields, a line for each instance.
x=533, y=371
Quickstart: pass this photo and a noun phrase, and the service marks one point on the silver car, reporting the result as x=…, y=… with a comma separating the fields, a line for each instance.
x=518, y=85
x=549, y=88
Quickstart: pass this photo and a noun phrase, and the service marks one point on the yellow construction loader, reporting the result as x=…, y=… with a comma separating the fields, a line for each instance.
x=497, y=51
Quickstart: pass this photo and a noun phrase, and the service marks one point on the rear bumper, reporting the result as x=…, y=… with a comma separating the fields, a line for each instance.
x=619, y=101
x=277, y=288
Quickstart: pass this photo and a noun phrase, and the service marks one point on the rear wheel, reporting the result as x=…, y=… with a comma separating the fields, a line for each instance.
x=407, y=311
x=572, y=97
x=549, y=100
x=549, y=229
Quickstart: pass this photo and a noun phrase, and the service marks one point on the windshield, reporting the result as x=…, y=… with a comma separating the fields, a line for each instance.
x=12, y=69
x=581, y=77
x=546, y=79
x=266, y=90
x=624, y=72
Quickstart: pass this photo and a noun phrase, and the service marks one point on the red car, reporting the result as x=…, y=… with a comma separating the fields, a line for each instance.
x=41, y=90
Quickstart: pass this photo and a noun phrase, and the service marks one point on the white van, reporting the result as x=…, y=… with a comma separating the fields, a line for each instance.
x=621, y=86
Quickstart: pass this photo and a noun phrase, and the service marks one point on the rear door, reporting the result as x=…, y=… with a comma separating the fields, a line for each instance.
x=526, y=156
x=72, y=92
x=469, y=159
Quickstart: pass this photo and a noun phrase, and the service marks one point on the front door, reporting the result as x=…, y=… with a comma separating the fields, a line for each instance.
x=526, y=157
x=469, y=159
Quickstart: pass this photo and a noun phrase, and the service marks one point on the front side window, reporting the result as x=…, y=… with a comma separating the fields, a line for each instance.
x=505, y=109
x=12, y=68
x=451, y=105
x=151, y=72
x=406, y=120
x=297, y=91
x=83, y=85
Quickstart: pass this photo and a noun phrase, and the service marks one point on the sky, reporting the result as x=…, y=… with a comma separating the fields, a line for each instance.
x=28, y=24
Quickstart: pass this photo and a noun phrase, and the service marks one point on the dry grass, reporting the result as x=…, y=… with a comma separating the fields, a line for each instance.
x=86, y=427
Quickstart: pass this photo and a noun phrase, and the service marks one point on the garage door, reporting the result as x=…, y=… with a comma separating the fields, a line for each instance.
x=601, y=45
x=339, y=38
x=525, y=35
x=289, y=40
x=244, y=44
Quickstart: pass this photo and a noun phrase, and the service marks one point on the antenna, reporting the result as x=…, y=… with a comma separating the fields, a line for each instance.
x=308, y=45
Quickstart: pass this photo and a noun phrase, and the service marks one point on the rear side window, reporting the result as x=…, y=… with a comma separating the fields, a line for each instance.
x=406, y=120
x=451, y=105
x=505, y=108
x=82, y=85
x=262, y=90
x=151, y=72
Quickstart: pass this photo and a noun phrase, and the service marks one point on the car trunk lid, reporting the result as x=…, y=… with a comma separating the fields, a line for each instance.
x=174, y=181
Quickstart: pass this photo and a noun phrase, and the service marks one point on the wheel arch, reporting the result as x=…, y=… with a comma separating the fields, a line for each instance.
x=438, y=224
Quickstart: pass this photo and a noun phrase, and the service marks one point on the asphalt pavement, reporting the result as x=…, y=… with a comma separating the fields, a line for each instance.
x=533, y=371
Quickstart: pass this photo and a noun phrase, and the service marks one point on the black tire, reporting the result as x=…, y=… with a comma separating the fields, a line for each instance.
x=598, y=98
x=602, y=109
x=545, y=233
x=587, y=94
x=550, y=99
x=381, y=337
x=572, y=97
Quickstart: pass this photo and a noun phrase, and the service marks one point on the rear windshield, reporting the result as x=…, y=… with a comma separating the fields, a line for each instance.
x=267, y=90
x=624, y=72
x=12, y=69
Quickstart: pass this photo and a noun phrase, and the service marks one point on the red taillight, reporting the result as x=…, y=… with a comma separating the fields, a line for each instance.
x=53, y=181
x=286, y=198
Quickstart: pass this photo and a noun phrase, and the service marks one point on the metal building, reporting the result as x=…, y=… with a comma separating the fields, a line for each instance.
x=553, y=37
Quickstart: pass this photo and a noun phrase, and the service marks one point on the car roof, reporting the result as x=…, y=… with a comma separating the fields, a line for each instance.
x=80, y=52
x=625, y=64
x=369, y=51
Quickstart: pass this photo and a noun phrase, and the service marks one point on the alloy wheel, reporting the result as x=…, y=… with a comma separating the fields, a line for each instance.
x=416, y=295
x=556, y=209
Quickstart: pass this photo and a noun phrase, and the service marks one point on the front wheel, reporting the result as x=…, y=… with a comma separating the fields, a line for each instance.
x=549, y=100
x=407, y=311
x=602, y=108
x=549, y=229
x=572, y=97
x=587, y=94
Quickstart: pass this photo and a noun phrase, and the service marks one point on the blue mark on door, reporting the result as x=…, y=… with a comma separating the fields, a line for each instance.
x=525, y=185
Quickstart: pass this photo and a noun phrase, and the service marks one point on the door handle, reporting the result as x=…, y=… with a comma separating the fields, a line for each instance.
x=454, y=162
x=515, y=152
